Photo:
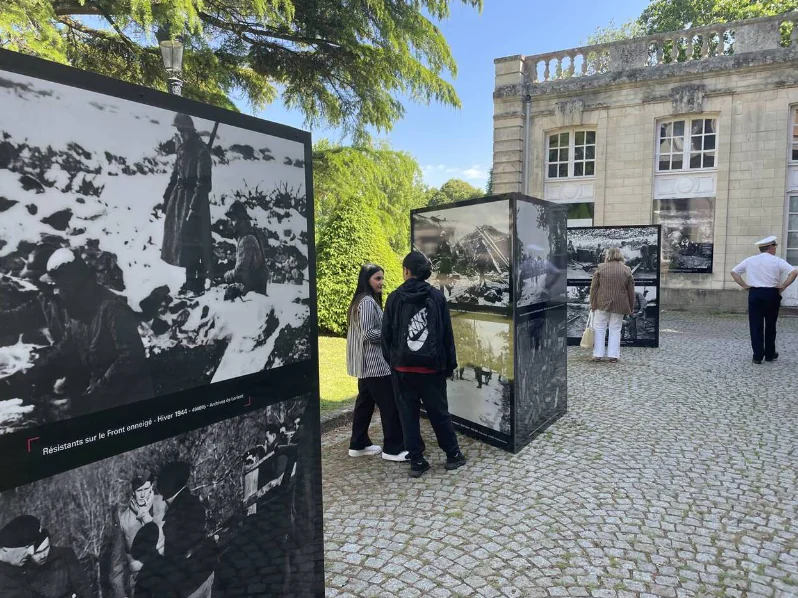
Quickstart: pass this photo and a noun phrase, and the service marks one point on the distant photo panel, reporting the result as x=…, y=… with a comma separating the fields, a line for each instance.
x=638, y=245
x=641, y=328
x=688, y=227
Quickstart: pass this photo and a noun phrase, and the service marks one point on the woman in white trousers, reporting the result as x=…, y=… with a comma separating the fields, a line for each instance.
x=612, y=296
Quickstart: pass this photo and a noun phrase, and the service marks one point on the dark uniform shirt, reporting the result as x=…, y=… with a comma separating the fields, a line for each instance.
x=62, y=576
x=14, y=582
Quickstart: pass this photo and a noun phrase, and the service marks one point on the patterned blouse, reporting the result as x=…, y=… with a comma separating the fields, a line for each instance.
x=363, y=351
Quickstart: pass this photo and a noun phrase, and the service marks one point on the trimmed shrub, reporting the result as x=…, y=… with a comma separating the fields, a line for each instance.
x=352, y=237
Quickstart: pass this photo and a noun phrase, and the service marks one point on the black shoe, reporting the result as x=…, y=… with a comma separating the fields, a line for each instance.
x=455, y=460
x=774, y=358
x=758, y=361
x=418, y=467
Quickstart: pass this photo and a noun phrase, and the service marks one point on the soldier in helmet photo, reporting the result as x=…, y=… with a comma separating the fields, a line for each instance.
x=250, y=269
x=187, y=241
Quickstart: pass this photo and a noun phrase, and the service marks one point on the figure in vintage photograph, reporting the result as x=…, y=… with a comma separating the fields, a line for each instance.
x=17, y=544
x=55, y=572
x=99, y=362
x=250, y=268
x=118, y=568
x=187, y=240
x=445, y=264
x=634, y=320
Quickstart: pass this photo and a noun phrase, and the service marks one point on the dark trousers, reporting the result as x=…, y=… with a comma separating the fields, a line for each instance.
x=413, y=389
x=763, y=311
x=377, y=391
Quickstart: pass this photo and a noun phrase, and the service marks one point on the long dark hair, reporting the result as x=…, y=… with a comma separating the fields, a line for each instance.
x=364, y=289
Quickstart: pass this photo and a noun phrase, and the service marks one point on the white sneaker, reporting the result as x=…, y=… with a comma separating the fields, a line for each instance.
x=401, y=457
x=369, y=451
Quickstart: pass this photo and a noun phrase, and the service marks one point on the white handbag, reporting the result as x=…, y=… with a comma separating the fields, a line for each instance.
x=589, y=334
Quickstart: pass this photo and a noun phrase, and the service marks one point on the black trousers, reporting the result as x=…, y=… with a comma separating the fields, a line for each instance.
x=763, y=311
x=377, y=391
x=413, y=389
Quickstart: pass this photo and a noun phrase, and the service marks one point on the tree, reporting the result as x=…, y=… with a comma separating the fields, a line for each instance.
x=353, y=236
x=340, y=63
x=451, y=191
x=489, y=184
x=672, y=15
x=388, y=183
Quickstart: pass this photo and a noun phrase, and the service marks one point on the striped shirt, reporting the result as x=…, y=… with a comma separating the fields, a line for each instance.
x=363, y=351
x=613, y=289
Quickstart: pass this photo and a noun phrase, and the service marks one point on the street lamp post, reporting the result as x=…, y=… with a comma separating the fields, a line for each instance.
x=172, y=55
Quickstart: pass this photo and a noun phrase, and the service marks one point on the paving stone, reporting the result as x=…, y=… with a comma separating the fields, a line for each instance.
x=672, y=474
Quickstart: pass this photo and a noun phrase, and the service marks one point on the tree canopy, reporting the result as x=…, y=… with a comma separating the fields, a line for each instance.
x=352, y=237
x=453, y=190
x=343, y=64
x=387, y=182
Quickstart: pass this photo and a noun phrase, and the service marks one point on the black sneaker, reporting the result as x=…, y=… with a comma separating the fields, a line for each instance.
x=774, y=358
x=418, y=467
x=758, y=361
x=455, y=460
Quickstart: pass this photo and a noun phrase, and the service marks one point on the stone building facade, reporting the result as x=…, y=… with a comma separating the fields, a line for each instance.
x=699, y=125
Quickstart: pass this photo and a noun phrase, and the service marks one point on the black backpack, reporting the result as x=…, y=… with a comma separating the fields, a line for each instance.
x=418, y=335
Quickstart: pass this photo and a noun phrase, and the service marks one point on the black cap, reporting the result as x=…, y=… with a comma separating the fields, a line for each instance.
x=66, y=263
x=173, y=477
x=141, y=477
x=20, y=532
x=237, y=210
x=183, y=121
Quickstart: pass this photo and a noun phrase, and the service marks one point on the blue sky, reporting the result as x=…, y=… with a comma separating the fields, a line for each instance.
x=450, y=143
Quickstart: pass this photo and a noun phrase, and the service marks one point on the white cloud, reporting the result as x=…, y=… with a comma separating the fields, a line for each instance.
x=437, y=174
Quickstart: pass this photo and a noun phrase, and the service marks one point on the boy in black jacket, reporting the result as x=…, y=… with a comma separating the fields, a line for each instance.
x=418, y=344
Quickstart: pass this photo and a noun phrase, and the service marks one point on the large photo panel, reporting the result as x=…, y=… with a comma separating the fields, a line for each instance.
x=541, y=239
x=638, y=244
x=541, y=386
x=231, y=509
x=470, y=250
x=688, y=228
x=481, y=389
x=142, y=251
x=640, y=329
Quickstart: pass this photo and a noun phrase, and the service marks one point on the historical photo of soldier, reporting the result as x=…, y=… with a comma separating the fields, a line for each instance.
x=481, y=387
x=187, y=239
x=191, y=516
x=136, y=265
x=687, y=233
x=470, y=250
x=639, y=246
x=541, y=254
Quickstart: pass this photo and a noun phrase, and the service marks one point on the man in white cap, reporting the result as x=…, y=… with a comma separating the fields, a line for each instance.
x=766, y=277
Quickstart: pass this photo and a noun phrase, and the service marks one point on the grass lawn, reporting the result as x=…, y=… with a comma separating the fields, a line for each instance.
x=337, y=389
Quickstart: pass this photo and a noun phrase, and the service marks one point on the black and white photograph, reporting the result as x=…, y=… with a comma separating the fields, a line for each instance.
x=541, y=234
x=641, y=328
x=541, y=376
x=470, y=250
x=480, y=391
x=687, y=234
x=638, y=245
x=225, y=510
x=142, y=252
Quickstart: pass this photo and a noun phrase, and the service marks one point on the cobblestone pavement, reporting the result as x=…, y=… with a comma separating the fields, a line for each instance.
x=673, y=474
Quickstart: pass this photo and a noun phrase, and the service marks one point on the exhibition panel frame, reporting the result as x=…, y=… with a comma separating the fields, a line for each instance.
x=158, y=336
x=500, y=263
x=641, y=247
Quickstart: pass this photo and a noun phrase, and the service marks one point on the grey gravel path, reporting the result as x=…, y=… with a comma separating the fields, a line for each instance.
x=673, y=474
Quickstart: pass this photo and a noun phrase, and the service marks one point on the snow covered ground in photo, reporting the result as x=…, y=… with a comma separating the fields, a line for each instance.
x=91, y=168
x=485, y=406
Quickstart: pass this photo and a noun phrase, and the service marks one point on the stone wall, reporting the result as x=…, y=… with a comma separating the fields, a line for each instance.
x=749, y=94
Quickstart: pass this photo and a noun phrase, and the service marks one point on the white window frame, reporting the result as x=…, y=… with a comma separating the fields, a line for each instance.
x=686, y=151
x=571, y=160
x=788, y=249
